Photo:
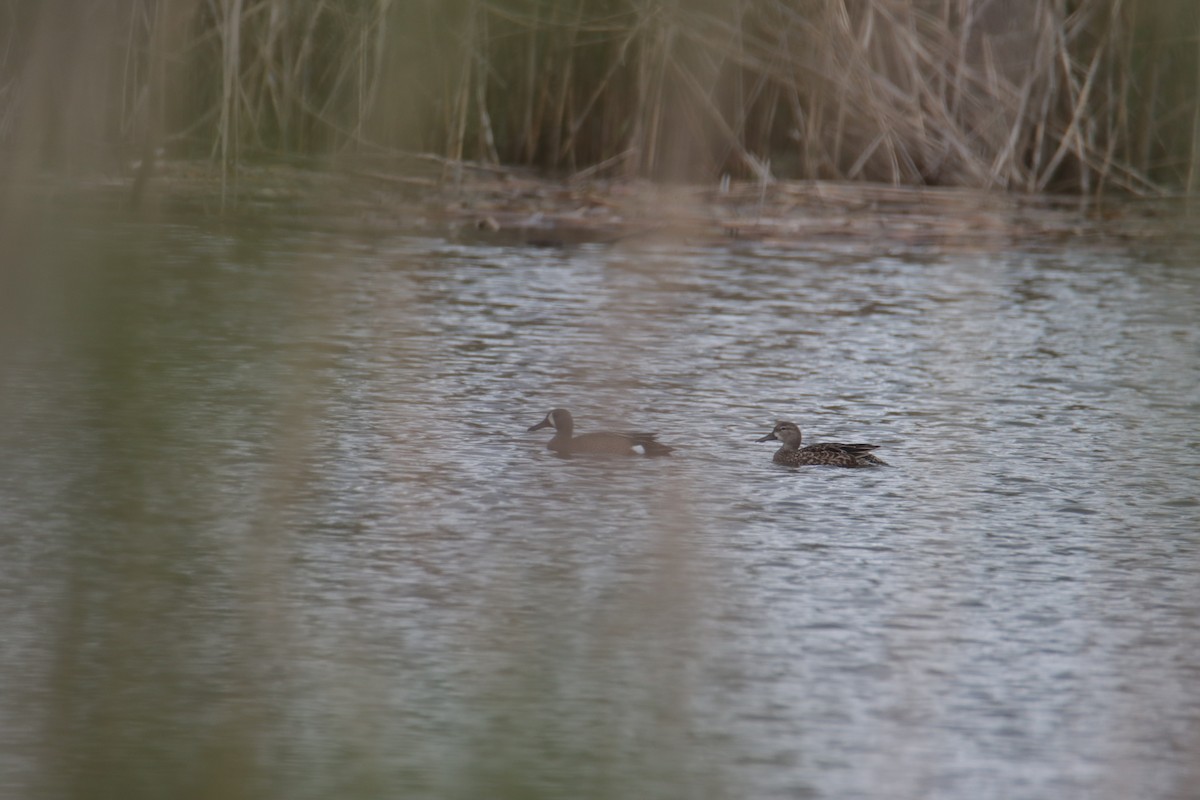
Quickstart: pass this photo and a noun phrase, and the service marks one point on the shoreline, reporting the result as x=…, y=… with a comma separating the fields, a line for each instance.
x=517, y=206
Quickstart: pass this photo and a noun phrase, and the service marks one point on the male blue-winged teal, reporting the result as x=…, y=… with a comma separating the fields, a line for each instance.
x=598, y=443
x=829, y=454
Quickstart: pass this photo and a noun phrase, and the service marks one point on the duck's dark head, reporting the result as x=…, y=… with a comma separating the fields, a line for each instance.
x=559, y=419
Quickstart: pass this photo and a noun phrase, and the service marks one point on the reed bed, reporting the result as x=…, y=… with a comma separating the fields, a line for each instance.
x=1084, y=96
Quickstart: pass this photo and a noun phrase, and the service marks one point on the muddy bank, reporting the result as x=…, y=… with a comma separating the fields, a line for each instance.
x=515, y=206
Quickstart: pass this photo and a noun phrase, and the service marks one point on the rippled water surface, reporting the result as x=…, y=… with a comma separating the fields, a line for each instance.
x=274, y=527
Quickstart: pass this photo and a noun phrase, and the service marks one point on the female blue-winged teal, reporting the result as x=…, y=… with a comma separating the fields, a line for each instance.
x=599, y=443
x=829, y=454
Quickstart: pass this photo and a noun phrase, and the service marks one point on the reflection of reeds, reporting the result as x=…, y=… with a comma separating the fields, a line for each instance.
x=1084, y=95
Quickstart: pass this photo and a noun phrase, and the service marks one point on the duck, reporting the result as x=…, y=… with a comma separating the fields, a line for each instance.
x=599, y=442
x=828, y=454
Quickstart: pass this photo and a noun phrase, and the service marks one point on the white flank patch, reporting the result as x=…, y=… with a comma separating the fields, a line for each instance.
x=640, y=449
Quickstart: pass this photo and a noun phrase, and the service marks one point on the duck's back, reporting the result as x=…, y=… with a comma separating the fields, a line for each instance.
x=617, y=444
x=830, y=454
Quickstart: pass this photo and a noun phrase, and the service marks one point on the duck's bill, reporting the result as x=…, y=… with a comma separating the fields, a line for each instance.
x=768, y=437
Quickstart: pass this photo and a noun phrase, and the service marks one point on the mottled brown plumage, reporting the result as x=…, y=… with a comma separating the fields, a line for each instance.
x=829, y=454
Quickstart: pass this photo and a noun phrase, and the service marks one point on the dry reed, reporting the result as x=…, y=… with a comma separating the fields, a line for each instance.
x=1030, y=95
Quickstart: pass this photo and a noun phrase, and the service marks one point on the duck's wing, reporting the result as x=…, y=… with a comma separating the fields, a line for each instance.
x=857, y=448
x=841, y=454
x=612, y=443
x=861, y=453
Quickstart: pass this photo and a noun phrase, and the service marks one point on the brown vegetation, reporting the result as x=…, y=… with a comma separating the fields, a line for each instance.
x=1029, y=95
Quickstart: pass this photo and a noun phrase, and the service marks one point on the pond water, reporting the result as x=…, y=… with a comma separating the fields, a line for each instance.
x=274, y=527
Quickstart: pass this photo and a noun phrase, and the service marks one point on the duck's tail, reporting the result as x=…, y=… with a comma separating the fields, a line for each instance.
x=647, y=445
